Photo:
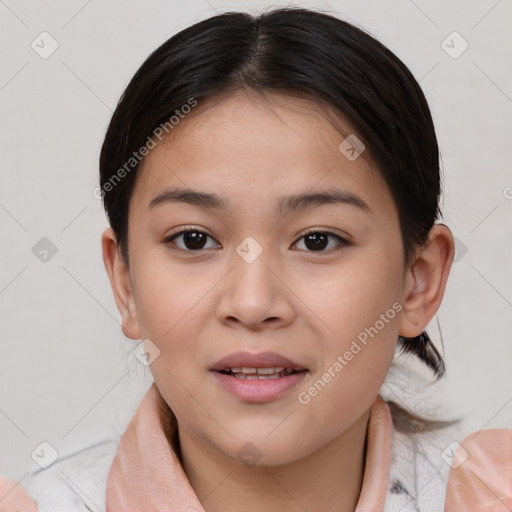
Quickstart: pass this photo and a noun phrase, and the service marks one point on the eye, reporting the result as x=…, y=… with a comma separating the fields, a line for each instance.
x=193, y=239
x=317, y=240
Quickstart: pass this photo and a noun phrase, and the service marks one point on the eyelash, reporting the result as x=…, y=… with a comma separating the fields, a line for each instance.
x=193, y=229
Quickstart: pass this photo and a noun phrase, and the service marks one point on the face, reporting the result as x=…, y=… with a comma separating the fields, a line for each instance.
x=246, y=287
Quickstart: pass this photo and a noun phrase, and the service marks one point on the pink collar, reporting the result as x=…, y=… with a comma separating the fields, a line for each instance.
x=146, y=474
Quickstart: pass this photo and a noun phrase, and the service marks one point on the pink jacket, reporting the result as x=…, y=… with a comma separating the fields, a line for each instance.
x=145, y=475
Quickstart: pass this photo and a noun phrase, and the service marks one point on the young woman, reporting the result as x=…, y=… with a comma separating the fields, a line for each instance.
x=272, y=185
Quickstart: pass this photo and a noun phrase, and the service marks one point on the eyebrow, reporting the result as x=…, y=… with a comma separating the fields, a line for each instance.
x=285, y=204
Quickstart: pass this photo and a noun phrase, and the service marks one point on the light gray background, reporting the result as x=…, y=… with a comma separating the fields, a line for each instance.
x=67, y=373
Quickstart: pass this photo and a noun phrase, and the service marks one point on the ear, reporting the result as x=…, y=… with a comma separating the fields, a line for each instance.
x=119, y=275
x=425, y=281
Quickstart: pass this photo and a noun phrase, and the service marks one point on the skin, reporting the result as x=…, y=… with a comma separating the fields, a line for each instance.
x=198, y=306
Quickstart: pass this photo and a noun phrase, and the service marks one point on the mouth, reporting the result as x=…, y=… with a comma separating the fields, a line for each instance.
x=248, y=373
x=260, y=363
x=257, y=377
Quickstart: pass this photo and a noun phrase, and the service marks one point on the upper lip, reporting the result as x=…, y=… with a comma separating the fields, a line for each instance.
x=257, y=360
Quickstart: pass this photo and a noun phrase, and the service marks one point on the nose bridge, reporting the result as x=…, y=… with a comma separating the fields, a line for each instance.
x=253, y=293
x=251, y=261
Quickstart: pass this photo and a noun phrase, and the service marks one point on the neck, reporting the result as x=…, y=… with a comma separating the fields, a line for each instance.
x=329, y=479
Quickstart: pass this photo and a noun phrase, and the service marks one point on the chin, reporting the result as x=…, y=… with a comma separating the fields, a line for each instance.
x=253, y=449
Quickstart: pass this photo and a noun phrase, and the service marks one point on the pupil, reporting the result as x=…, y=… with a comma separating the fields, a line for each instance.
x=194, y=240
x=313, y=237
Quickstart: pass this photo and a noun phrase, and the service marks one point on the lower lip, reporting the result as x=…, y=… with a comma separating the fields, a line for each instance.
x=258, y=390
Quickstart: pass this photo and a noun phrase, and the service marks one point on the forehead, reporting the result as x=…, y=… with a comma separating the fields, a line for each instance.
x=248, y=148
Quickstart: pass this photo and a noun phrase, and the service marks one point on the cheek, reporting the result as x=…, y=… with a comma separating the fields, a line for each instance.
x=171, y=300
x=172, y=307
x=337, y=403
x=360, y=307
x=358, y=294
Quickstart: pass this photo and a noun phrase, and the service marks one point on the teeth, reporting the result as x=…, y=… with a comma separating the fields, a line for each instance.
x=254, y=377
x=259, y=371
x=265, y=371
x=247, y=373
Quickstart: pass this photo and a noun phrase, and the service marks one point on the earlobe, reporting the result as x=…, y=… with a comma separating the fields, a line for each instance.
x=426, y=281
x=119, y=276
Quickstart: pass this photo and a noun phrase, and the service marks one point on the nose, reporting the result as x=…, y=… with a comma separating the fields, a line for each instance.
x=255, y=293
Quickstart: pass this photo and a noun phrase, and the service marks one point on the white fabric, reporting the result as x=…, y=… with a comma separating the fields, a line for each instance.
x=76, y=483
